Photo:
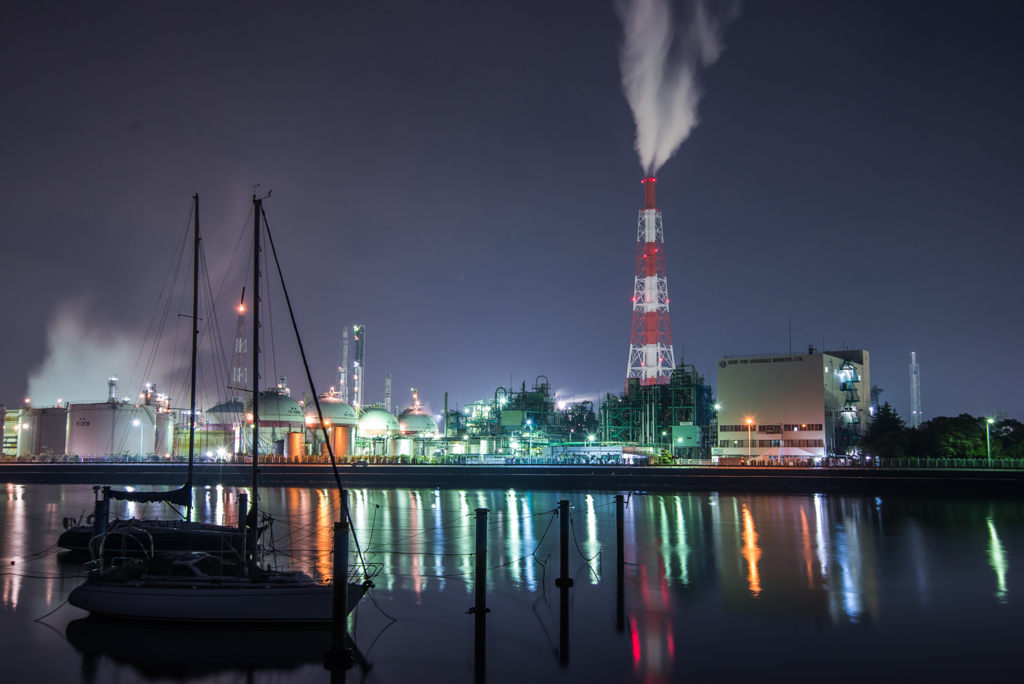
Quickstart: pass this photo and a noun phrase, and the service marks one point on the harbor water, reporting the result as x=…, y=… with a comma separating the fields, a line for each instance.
x=717, y=586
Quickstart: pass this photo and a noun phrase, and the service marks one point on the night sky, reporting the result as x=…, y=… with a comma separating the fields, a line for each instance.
x=461, y=178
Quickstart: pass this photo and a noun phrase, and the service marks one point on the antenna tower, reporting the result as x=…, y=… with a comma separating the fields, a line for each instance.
x=650, y=350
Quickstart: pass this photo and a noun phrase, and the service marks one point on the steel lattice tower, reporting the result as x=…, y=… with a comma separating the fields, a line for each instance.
x=650, y=349
x=239, y=371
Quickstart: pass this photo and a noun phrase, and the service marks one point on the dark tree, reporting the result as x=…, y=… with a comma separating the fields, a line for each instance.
x=886, y=435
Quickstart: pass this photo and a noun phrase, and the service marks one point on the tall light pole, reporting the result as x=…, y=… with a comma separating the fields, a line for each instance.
x=988, y=439
x=750, y=424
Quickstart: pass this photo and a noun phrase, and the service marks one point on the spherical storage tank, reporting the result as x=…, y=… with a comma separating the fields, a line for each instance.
x=340, y=420
x=376, y=422
x=226, y=415
x=414, y=421
x=279, y=416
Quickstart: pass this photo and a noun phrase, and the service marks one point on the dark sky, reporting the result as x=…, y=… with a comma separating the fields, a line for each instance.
x=460, y=177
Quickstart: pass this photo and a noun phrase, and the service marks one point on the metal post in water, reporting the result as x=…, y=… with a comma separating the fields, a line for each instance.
x=563, y=582
x=243, y=506
x=563, y=524
x=480, y=609
x=101, y=512
x=339, y=657
x=620, y=563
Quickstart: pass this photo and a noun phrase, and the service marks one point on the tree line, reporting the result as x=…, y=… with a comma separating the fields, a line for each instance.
x=962, y=436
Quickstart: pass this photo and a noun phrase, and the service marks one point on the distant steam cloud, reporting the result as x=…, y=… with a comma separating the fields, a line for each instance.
x=660, y=61
x=80, y=357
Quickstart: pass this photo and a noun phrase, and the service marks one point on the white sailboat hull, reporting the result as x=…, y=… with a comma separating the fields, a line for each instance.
x=208, y=603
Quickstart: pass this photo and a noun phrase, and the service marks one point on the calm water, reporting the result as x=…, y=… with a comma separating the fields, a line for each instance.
x=731, y=587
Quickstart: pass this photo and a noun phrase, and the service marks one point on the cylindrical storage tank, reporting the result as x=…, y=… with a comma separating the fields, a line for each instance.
x=486, y=446
x=294, y=446
x=343, y=440
x=110, y=429
x=403, y=447
x=164, y=442
x=279, y=415
x=28, y=432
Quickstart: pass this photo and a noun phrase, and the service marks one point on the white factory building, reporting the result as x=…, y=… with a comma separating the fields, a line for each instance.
x=792, y=406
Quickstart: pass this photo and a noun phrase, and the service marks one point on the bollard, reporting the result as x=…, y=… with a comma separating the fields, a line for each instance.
x=480, y=609
x=563, y=582
x=243, y=505
x=620, y=563
x=99, y=521
x=563, y=525
x=339, y=657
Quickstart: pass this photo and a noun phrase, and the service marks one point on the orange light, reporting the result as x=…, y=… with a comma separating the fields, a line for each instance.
x=749, y=421
x=241, y=309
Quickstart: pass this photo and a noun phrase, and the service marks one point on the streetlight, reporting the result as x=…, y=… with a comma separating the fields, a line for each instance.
x=988, y=439
x=142, y=432
x=750, y=424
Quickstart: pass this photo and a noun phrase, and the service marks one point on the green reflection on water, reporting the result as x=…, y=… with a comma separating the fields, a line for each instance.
x=997, y=559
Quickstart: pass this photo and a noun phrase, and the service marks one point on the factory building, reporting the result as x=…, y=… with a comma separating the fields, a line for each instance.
x=792, y=407
x=675, y=418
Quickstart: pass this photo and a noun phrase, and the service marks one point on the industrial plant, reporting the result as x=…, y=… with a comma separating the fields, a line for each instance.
x=785, y=408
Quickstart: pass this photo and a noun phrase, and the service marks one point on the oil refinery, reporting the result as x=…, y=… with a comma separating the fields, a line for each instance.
x=769, y=407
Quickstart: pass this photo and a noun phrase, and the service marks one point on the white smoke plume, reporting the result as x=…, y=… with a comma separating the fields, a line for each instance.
x=660, y=61
x=80, y=356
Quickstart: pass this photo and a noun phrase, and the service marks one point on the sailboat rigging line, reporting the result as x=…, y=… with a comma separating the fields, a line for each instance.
x=172, y=270
x=312, y=389
x=270, y=307
x=227, y=272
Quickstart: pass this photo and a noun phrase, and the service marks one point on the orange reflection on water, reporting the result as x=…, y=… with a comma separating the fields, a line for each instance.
x=805, y=535
x=751, y=551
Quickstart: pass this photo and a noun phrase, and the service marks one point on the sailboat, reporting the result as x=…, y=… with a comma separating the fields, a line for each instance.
x=139, y=535
x=201, y=588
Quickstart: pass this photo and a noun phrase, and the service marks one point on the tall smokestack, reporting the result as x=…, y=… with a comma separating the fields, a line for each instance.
x=343, y=366
x=387, y=392
x=916, y=417
x=359, y=339
x=651, y=358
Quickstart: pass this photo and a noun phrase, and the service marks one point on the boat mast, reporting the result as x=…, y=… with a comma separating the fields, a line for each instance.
x=195, y=343
x=257, y=209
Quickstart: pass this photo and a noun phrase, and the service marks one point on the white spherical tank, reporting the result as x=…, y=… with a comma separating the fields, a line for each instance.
x=340, y=420
x=110, y=428
x=279, y=415
x=376, y=422
x=414, y=421
x=226, y=415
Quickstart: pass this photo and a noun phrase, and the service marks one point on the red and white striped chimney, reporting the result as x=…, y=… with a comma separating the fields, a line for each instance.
x=650, y=350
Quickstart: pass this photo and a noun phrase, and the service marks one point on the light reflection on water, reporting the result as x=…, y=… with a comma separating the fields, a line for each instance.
x=701, y=569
